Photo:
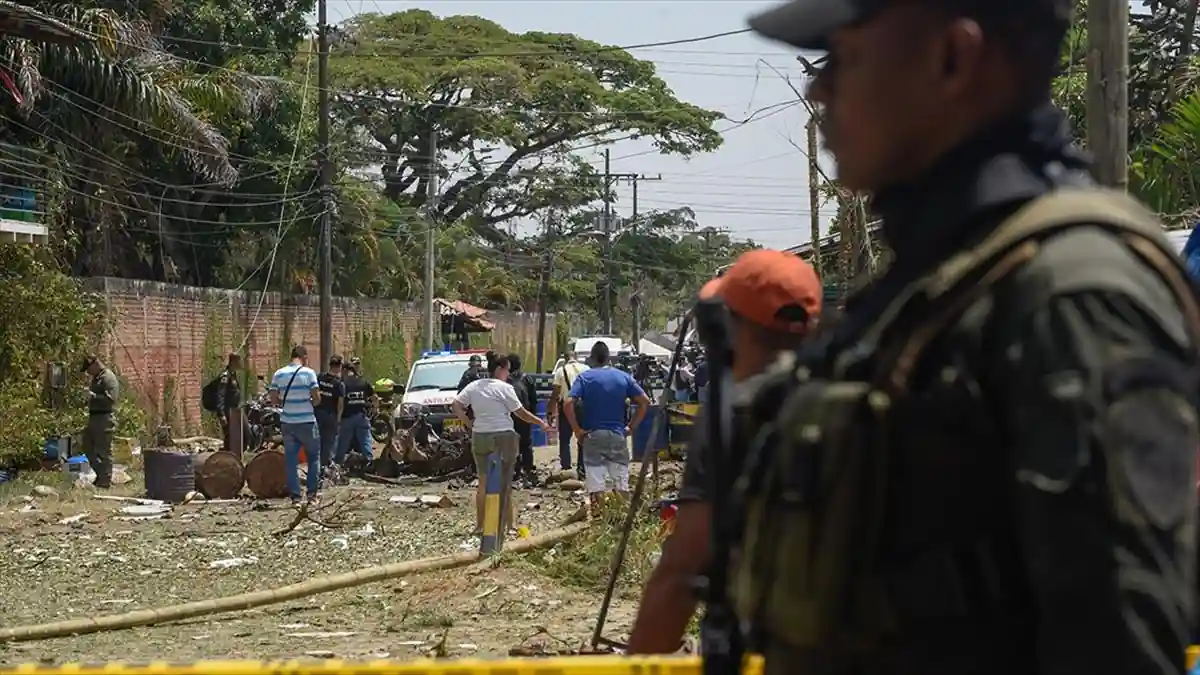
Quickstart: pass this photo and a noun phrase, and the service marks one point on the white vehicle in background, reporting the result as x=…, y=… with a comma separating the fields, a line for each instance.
x=431, y=388
x=582, y=348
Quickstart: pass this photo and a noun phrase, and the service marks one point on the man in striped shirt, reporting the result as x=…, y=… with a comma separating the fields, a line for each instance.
x=296, y=390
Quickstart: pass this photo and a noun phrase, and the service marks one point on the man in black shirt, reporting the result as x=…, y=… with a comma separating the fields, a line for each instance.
x=527, y=395
x=473, y=372
x=329, y=410
x=355, y=429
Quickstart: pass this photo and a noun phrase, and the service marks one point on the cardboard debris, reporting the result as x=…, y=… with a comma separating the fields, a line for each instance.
x=437, y=501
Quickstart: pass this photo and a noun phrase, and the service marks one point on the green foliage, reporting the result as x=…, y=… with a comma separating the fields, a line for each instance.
x=382, y=356
x=584, y=561
x=48, y=318
x=498, y=112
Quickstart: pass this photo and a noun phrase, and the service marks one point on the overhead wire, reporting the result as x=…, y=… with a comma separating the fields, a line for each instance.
x=280, y=231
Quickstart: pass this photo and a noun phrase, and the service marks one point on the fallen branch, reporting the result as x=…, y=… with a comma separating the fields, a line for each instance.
x=150, y=617
x=305, y=512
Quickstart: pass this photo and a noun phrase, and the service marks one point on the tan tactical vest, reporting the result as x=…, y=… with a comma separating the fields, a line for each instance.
x=804, y=576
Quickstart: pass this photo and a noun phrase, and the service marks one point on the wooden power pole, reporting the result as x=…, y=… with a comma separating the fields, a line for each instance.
x=1108, y=90
x=326, y=183
x=814, y=194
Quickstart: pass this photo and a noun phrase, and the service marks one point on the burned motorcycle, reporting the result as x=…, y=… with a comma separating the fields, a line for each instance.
x=264, y=424
x=418, y=449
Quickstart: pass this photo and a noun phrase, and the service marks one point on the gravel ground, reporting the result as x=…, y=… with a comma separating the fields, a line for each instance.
x=73, y=555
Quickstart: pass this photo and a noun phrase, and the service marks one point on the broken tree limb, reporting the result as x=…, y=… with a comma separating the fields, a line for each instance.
x=325, y=584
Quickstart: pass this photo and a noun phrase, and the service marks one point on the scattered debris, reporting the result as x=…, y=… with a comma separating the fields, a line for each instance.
x=146, y=509
x=230, y=563
x=44, y=491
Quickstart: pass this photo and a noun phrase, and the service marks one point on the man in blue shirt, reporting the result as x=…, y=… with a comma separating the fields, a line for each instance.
x=296, y=390
x=601, y=427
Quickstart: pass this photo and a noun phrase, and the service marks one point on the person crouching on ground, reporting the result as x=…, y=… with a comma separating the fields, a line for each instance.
x=774, y=299
x=602, y=429
x=296, y=391
x=493, y=402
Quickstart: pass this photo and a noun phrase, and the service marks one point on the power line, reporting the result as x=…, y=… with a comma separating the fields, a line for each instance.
x=549, y=51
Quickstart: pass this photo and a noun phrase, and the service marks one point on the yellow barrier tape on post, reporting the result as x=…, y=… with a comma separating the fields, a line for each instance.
x=571, y=665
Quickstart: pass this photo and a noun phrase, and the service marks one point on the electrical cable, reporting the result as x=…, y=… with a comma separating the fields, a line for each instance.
x=280, y=232
x=550, y=51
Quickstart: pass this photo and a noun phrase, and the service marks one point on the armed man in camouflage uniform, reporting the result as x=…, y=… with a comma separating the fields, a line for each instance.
x=988, y=465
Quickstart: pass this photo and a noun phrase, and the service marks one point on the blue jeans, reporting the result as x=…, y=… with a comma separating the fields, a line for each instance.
x=356, y=431
x=327, y=426
x=702, y=394
x=296, y=436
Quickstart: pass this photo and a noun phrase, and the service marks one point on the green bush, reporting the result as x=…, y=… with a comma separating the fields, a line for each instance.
x=47, y=318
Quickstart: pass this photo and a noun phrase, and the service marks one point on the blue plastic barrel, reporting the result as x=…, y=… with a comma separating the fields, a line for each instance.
x=539, y=436
x=641, y=435
x=50, y=448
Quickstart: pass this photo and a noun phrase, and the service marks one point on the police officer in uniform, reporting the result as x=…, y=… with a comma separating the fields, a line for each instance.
x=103, y=393
x=987, y=465
x=354, y=433
x=473, y=372
x=329, y=410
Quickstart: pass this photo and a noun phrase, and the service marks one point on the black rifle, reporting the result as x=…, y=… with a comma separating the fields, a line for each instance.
x=721, y=643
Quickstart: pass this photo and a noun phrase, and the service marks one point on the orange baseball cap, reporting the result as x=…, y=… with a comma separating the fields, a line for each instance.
x=763, y=284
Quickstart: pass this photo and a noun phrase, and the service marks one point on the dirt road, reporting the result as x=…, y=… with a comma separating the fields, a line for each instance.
x=73, y=555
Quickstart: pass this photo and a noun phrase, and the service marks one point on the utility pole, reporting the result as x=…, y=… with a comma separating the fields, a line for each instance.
x=1108, y=90
x=431, y=198
x=814, y=196
x=610, y=179
x=549, y=235
x=608, y=247
x=325, y=176
x=635, y=300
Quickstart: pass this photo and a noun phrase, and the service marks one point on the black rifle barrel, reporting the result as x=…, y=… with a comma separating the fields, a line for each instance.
x=721, y=643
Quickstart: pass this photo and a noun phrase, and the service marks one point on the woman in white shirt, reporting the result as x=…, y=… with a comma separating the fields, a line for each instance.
x=493, y=402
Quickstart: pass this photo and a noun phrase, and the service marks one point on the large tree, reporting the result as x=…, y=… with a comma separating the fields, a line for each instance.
x=504, y=107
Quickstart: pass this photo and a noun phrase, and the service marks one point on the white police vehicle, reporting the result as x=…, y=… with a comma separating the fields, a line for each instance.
x=431, y=388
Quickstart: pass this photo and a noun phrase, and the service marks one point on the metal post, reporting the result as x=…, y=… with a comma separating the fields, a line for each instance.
x=325, y=184
x=494, y=506
x=430, y=240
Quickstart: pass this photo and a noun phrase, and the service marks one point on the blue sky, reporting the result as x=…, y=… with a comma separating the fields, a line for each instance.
x=756, y=185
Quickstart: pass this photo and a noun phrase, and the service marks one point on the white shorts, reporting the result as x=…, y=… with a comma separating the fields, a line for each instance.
x=596, y=477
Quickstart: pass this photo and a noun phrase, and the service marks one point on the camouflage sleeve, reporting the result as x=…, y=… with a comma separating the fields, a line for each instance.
x=1098, y=389
x=112, y=387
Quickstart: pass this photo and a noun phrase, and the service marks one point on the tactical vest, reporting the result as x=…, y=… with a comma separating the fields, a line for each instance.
x=812, y=493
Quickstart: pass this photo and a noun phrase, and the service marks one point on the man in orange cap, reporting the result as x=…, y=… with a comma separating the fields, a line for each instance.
x=774, y=300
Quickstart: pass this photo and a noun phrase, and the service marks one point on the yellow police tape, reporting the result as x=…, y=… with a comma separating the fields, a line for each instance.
x=571, y=665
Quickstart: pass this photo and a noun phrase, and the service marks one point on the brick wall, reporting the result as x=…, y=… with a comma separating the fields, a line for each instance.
x=162, y=334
